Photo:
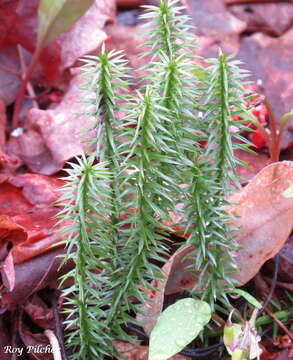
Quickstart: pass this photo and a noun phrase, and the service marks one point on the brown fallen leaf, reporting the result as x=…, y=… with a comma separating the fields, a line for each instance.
x=31, y=341
x=270, y=61
x=138, y=352
x=27, y=226
x=4, y=339
x=129, y=39
x=37, y=189
x=286, y=262
x=11, y=230
x=9, y=162
x=9, y=82
x=273, y=19
x=212, y=19
x=52, y=136
x=265, y=219
x=32, y=276
x=256, y=162
x=18, y=19
x=152, y=308
x=39, y=312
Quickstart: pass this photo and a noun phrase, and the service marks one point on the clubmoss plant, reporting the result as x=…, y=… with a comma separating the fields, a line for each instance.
x=141, y=166
x=212, y=175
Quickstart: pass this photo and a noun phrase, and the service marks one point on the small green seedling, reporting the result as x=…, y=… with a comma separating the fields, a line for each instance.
x=177, y=326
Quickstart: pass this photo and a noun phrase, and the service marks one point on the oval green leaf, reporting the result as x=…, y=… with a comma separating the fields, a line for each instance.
x=177, y=326
x=251, y=299
x=56, y=16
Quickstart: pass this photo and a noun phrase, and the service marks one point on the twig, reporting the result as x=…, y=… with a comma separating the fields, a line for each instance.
x=23, y=67
x=54, y=343
x=283, y=285
x=274, y=282
x=7, y=69
x=275, y=140
x=21, y=92
x=281, y=325
x=2, y=124
x=268, y=299
x=58, y=327
x=15, y=320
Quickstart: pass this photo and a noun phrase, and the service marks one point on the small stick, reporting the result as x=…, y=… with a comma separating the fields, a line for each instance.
x=279, y=322
x=29, y=87
x=54, y=343
x=274, y=282
x=58, y=327
x=15, y=321
x=268, y=299
x=11, y=71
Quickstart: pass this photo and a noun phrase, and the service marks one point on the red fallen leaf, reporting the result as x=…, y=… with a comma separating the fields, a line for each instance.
x=12, y=200
x=52, y=136
x=129, y=39
x=283, y=342
x=283, y=355
x=270, y=60
x=10, y=229
x=7, y=162
x=32, y=276
x=32, y=341
x=212, y=19
x=26, y=226
x=2, y=123
x=39, y=312
x=18, y=19
x=32, y=225
x=9, y=82
x=8, y=272
x=271, y=18
x=37, y=189
x=4, y=339
x=256, y=162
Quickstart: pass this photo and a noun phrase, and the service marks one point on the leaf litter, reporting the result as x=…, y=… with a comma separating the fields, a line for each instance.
x=50, y=138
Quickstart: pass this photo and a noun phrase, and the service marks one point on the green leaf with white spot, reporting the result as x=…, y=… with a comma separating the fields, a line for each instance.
x=177, y=326
x=288, y=193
